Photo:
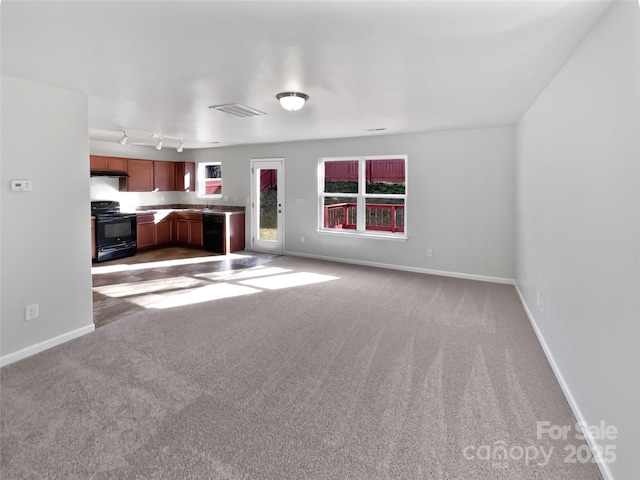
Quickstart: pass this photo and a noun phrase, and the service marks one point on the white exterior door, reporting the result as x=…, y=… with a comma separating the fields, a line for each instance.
x=267, y=205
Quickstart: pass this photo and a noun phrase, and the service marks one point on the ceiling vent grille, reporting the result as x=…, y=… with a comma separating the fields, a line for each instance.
x=238, y=110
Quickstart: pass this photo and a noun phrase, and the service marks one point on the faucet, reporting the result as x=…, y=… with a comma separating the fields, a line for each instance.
x=206, y=205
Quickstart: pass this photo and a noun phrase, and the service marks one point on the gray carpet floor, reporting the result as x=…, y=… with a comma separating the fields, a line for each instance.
x=297, y=369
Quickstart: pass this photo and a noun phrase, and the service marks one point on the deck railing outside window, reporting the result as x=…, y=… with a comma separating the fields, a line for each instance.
x=382, y=217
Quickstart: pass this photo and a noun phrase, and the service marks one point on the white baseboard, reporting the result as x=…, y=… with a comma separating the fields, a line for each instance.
x=405, y=268
x=591, y=441
x=45, y=345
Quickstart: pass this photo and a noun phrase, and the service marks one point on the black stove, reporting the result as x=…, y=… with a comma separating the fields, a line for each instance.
x=116, y=232
x=107, y=207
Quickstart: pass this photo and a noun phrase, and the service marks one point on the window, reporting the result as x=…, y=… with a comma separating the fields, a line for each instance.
x=363, y=195
x=210, y=180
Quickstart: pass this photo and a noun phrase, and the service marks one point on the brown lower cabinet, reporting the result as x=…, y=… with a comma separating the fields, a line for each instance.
x=189, y=228
x=152, y=234
x=164, y=231
x=186, y=229
x=146, y=231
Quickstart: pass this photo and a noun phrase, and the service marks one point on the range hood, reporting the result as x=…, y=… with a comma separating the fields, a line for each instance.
x=109, y=173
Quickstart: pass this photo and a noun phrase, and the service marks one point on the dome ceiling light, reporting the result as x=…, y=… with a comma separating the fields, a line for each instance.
x=292, y=101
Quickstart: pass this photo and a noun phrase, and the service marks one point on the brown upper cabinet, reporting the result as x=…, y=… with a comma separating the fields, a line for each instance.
x=140, y=176
x=185, y=176
x=98, y=162
x=149, y=175
x=163, y=176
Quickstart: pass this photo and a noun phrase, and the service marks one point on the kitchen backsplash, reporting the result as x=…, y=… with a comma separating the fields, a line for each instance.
x=107, y=188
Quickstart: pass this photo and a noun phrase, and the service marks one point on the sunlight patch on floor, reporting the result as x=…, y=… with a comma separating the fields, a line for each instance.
x=259, y=271
x=147, y=286
x=178, y=291
x=288, y=280
x=128, y=267
x=196, y=295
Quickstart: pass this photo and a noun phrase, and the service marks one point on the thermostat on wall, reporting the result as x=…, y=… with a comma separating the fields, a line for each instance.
x=21, y=185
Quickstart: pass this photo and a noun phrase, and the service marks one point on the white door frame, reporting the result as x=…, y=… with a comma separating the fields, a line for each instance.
x=269, y=246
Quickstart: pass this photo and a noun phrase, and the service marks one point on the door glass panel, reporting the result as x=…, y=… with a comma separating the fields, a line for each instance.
x=268, y=204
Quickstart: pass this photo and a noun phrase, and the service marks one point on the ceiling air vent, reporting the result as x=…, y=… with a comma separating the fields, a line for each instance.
x=238, y=110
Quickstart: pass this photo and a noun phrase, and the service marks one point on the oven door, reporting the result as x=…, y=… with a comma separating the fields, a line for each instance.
x=115, y=229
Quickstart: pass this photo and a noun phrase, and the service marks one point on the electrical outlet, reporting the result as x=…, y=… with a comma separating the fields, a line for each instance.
x=539, y=301
x=302, y=239
x=31, y=311
x=429, y=252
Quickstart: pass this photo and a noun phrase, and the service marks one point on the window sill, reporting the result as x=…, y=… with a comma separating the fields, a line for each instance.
x=372, y=235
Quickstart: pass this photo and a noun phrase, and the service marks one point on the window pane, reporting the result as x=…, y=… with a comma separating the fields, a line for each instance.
x=213, y=179
x=340, y=212
x=213, y=171
x=385, y=176
x=341, y=176
x=385, y=214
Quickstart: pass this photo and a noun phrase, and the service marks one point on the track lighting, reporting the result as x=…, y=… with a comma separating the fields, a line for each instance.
x=124, y=138
x=292, y=101
x=149, y=139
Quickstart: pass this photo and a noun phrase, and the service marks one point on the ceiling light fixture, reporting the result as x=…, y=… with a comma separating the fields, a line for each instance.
x=292, y=101
x=146, y=139
x=124, y=138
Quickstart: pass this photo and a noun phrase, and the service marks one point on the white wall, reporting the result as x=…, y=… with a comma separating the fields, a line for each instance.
x=46, y=257
x=106, y=188
x=578, y=229
x=461, y=200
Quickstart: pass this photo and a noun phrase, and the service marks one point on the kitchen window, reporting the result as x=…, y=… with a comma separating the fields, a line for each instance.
x=363, y=196
x=210, y=180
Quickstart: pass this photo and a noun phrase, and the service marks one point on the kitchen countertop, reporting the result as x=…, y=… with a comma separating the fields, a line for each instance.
x=164, y=210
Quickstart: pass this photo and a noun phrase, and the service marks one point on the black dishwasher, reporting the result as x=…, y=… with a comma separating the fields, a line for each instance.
x=213, y=232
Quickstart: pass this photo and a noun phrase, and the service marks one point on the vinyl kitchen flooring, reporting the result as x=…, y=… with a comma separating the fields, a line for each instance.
x=162, y=278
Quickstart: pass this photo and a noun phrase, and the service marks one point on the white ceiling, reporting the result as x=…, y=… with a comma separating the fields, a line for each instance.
x=157, y=66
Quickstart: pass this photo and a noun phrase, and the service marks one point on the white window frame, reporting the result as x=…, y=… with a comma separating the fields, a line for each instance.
x=200, y=179
x=361, y=198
